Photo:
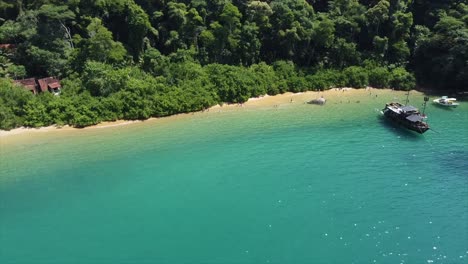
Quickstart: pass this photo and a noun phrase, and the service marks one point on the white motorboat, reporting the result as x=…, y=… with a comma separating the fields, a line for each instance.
x=446, y=101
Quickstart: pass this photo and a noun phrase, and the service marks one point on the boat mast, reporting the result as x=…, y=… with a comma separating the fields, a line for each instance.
x=425, y=103
x=407, y=98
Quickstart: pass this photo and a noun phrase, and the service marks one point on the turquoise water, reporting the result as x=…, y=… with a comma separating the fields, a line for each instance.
x=293, y=184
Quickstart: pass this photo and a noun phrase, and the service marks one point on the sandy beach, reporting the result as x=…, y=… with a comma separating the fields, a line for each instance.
x=25, y=130
x=332, y=95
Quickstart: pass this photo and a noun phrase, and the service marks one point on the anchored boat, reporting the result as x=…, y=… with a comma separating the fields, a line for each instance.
x=407, y=116
x=445, y=101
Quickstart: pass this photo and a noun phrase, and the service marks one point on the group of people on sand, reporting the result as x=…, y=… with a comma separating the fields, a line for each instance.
x=342, y=89
x=291, y=100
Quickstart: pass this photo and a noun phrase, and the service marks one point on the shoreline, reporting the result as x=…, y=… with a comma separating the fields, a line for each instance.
x=262, y=101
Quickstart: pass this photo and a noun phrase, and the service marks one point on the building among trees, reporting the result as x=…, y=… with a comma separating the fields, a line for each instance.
x=49, y=84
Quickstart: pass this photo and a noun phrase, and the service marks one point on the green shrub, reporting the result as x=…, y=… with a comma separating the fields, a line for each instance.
x=356, y=77
x=84, y=117
x=325, y=79
x=111, y=108
x=8, y=120
x=36, y=114
x=285, y=72
x=317, y=82
x=233, y=84
x=297, y=84
x=266, y=78
x=379, y=77
x=102, y=79
x=402, y=80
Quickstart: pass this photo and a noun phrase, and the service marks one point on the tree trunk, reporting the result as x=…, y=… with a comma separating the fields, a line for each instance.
x=68, y=34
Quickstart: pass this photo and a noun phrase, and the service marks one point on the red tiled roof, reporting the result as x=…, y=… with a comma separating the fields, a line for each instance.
x=43, y=85
x=28, y=84
x=54, y=85
x=51, y=82
x=30, y=87
x=30, y=81
x=7, y=46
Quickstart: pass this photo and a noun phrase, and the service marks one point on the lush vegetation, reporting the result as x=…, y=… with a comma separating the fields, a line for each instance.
x=135, y=59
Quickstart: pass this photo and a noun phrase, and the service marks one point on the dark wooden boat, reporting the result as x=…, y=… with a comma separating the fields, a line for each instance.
x=407, y=116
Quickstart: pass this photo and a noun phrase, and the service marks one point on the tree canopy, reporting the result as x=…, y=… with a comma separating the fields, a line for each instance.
x=135, y=59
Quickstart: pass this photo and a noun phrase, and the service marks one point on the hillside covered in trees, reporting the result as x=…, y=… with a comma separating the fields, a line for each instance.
x=135, y=59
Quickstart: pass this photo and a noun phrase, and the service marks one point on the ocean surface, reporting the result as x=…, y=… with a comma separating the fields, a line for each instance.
x=292, y=183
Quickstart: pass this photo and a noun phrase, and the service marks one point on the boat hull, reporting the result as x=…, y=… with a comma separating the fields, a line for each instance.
x=453, y=105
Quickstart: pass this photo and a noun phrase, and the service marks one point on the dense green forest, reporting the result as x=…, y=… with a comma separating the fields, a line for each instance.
x=135, y=59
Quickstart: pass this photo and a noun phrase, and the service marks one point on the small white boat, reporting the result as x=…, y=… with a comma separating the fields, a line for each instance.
x=445, y=101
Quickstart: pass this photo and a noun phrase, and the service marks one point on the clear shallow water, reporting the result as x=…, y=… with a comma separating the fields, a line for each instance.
x=297, y=184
